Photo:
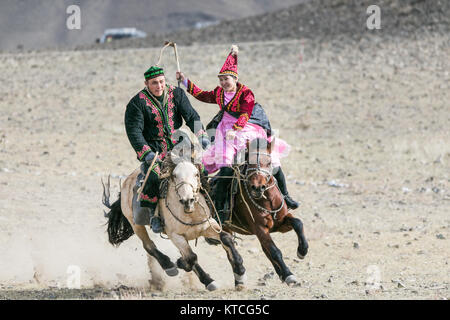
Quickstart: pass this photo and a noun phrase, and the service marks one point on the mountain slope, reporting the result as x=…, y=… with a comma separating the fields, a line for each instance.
x=316, y=19
x=39, y=24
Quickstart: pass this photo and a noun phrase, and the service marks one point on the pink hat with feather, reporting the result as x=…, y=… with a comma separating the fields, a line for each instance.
x=230, y=65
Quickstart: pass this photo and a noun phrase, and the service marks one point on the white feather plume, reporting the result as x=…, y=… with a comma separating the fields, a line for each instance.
x=234, y=49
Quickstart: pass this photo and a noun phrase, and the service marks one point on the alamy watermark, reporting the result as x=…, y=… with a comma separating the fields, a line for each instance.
x=74, y=277
x=373, y=280
x=374, y=20
x=73, y=21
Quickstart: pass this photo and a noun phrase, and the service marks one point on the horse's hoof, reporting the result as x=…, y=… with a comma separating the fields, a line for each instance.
x=172, y=272
x=240, y=279
x=212, y=286
x=290, y=279
x=239, y=287
x=303, y=254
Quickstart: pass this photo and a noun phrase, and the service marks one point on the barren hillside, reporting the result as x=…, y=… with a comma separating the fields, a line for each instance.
x=37, y=24
x=319, y=20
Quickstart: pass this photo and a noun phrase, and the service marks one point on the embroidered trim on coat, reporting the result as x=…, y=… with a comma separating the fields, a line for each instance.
x=143, y=152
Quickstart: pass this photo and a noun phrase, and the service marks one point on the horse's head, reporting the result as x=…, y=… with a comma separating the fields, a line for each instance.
x=187, y=184
x=259, y=167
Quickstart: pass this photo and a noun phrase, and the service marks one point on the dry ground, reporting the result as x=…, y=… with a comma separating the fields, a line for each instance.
x=369, y=127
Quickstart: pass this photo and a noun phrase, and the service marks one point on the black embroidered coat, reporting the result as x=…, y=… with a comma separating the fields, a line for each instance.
x=150, y=128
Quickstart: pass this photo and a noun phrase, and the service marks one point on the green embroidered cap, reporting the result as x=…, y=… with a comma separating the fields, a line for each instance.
x=153, y=72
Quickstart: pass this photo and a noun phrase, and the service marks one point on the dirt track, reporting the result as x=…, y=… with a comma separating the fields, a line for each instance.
x=369, y=126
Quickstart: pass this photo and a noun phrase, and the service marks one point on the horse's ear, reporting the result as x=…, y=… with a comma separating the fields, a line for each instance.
x=270, y=144
x=174, y=157
x=247, y=149
x=193, y=153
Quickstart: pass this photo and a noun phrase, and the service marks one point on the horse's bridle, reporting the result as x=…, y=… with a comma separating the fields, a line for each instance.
x=258, y=170
x=196, y=200
x=269, y=176
x=194, y=190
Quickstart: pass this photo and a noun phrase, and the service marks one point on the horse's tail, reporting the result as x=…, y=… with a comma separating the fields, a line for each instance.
x=119, y=229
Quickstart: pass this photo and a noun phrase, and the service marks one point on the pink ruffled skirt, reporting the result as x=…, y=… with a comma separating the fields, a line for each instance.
x=222, y=152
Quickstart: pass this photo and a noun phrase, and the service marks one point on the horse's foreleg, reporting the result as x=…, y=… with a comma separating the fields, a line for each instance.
x=149, y=246
x=157, y=281
x=188, y=257
x=233, y=255
x=274, y=255
x=297, y=224
x=205, y=278
x=188, y=261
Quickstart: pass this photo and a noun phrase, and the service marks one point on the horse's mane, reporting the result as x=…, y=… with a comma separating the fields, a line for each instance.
x=168, y=164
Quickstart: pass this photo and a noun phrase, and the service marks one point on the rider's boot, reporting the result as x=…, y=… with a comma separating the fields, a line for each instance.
x=204, y=179
x=146, y=208
x=155, y=221
x=220, y=195
x=281, y=180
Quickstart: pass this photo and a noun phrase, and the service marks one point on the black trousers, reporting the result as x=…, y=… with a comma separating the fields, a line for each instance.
x=221, y=192
x=150, y=194
x=281, y=179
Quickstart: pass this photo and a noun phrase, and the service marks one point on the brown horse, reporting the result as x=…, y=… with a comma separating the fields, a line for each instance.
x=260, y=207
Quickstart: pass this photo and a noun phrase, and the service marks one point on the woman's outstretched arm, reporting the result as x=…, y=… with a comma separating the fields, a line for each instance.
x=196, y=92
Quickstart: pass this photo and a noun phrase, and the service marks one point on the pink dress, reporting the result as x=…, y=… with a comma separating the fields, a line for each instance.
x=222, y=152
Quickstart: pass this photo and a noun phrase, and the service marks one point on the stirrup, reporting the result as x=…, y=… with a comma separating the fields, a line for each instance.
x=156, y=224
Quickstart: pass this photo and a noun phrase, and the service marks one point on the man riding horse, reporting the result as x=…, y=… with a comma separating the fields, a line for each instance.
x=151, y=118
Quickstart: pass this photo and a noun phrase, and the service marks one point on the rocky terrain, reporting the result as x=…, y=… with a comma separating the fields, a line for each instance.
x=368, y=122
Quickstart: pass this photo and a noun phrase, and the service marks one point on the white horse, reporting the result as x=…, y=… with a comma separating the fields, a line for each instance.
x=186, y=216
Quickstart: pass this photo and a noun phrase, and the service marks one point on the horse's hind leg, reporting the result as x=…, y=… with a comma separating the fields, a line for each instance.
x=297, y=224
x=188, y=261
x=233, y=255
x=275, y=256
x=149, y=246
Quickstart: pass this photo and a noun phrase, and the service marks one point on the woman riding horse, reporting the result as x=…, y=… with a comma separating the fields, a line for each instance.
x=236, y=102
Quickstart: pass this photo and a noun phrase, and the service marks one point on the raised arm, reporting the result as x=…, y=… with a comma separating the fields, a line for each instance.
x=196, y=92
x=204, y=96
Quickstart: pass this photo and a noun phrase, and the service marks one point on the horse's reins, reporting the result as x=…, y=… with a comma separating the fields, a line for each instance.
x=147, y=175
x=238, y=173
x=248, y=173
x=268, y=173
x=274, y=212
x=195, y=191
x=269, y=176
